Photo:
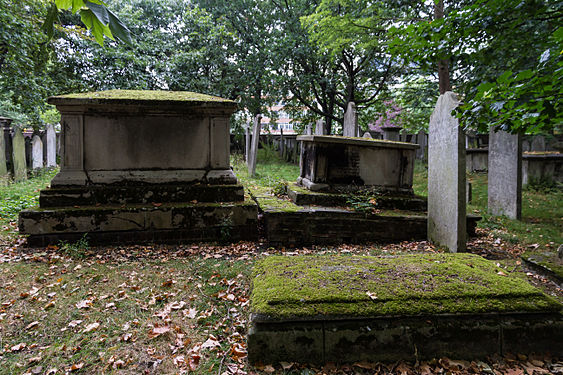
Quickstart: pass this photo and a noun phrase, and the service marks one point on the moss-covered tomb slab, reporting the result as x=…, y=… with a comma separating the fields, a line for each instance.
x=317, y=309
x=363, y=286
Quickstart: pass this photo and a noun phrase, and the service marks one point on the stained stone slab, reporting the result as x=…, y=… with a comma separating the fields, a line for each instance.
x=334, y=163
x=318, y=309
x=36, y=152
x=350, y=127
x=446, y=176
x=51, y=145
x=256, y=128
x=3, y=161
x=505, y=174
x=18, y=156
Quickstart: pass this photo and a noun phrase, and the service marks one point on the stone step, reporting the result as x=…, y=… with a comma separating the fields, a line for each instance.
x=333, y=225
x=138, y=194
x=305, y=197
x=317, y=309
x=170, y=222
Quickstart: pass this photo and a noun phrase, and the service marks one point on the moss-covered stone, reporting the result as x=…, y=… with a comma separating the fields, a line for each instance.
x=547, y=262
x=146, y=96
x=362, y=286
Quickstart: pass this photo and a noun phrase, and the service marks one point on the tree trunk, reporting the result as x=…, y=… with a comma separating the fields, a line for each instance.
x=443, y=66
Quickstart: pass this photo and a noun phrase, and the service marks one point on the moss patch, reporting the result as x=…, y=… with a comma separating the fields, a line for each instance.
x=549, y=261
x=143, y=95
x=274, y=204
x=365, y=286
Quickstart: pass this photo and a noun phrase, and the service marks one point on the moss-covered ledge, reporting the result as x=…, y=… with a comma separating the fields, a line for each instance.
x=319, y=287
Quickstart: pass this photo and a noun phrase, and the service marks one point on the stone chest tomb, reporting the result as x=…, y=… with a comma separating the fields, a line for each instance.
x=142, y=165
x=333, y=163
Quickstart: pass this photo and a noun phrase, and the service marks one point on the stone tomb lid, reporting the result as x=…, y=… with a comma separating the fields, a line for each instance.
x=366, y=142
x=142, y=97
x=339, y=286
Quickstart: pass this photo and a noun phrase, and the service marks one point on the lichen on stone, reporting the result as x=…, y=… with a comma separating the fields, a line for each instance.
x=145, y=96
x=363, y=286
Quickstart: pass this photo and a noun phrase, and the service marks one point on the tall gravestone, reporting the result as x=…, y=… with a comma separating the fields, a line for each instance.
x=51, y=146
x=320, y=128
x=18, y=157
x=247, y=142
x=254, y=147
x=446, y=177
x=308, y=129
x=350, y=127
x=36, y=152
x=3, y=165
x=505, y=174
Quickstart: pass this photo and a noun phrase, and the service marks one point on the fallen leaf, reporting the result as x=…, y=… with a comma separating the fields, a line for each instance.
x=269, y=369
x=157, y=331
x=210, y=343
x=32, y=325
x=76, y=366
x=91, y=327
x=287, y=365
x=371, y=295
x=18, y=347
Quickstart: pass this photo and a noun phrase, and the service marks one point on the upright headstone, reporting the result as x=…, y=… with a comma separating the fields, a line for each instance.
x=367, y=135
x=18, y=157
x=254, y=147
x=391, y=133
x=320, y=127
x=308, y=129
x=505, y=174
x=6, y=129
x=281, y=150
x=446, y=177
x=3, y=165
x=422, y=142
x=51, y=146
x=537, y=144
x=248, y=141
x=350, y=126
x=36, y=152
x=28, y=152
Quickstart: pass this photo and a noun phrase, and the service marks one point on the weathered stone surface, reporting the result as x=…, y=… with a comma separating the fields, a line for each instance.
x=446, y=177
x=320, y=128
x=546, y=167
x=304, y=197
x=395, y=308
x=119, y=132
x=18, y=157
x=247, y=143
x=477, y=160
x=391, y=133
x=3, y=161
x=318, y=225
x=169, y=222
x=254, y=146
x=350, y=127
x=139, y=194
x=505, y=174
x=332, y=163
x=36, y=152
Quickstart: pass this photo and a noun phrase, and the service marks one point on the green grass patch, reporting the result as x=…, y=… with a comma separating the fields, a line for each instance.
x=21, y=195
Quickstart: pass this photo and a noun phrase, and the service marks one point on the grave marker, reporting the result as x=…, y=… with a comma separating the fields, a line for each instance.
x=51, y=146
x=320, y=127
x=254, y=147
x=446, y=177
x=350, y=127
x=18, y=157
x=505, y=174
x=36, y=152
x=3, y=165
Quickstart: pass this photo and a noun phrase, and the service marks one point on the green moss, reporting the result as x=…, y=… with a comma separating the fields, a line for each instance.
x=145, y=95
x=404, y=285
x=274, y=204
x=547, y=260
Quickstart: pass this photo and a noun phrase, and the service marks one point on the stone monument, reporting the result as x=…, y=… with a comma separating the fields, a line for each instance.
x=142, y=166
x=320, y=128
x=18, y=156
x=446, y=177
x=36, y=152
x=505, y=174
x=51, y=137
x=350, y=126
x=254, y=146
x=3, y=164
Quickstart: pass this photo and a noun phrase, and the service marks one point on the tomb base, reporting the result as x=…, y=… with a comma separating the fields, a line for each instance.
x=136, y=223
x=319, y=309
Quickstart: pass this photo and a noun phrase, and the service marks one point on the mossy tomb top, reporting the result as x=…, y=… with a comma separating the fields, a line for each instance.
x=317, y=287
x=145, y=97
x=357, y=141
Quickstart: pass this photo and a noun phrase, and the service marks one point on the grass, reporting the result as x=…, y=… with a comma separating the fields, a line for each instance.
x=18, y=196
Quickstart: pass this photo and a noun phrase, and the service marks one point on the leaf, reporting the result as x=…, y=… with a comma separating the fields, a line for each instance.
x=158, y=331
x=193, y=361
x=210, y=343
x=119, y=30
x=99, y=10
x=544, y=56
x=63, y=4
x=76, y=366
x=94, y=25
x=18, y=347
x=269, y=369
x=48, y=26
x=372, y=295
x=84, y=304
x=32, y=325
x=91, y=327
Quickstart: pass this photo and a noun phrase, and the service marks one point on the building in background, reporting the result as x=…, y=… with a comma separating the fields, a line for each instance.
x=283, y=121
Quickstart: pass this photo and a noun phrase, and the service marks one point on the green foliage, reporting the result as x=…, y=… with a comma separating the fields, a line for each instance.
x=541, y=184
x=362, y=202
x=76, y=249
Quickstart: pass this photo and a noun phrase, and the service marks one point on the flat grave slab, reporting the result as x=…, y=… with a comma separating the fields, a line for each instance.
x=316, y=309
